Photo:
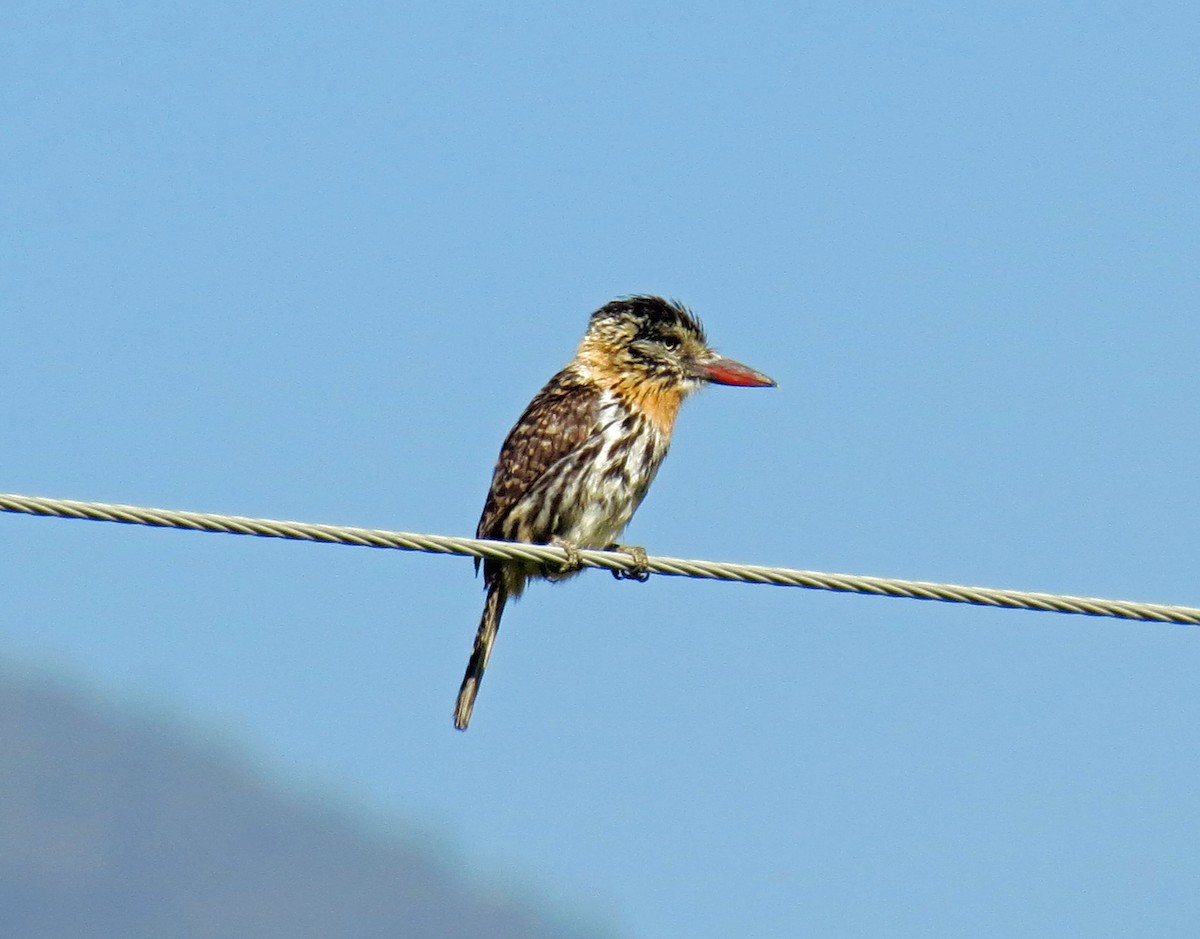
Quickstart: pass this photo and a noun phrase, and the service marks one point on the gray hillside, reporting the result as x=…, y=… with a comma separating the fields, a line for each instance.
x=115, y=829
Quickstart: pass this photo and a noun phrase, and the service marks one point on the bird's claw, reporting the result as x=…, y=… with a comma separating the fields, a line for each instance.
x=572, y=563
x=640, y=569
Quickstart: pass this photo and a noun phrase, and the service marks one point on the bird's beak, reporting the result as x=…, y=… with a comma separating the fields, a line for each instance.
x=722, y=371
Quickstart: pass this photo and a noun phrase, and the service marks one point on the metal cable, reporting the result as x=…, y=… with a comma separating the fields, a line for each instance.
x=610, y=560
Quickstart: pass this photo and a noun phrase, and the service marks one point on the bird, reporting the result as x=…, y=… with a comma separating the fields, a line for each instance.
x=580, y=459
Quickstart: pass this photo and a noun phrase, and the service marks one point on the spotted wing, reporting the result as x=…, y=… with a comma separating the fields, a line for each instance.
x=558, y=421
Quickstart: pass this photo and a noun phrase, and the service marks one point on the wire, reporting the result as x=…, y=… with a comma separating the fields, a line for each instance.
x=615, y=560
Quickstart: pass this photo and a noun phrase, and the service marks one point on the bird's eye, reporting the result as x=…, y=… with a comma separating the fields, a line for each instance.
x=670, y=343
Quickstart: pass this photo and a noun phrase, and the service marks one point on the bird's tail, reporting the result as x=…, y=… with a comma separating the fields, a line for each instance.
x=488, y=625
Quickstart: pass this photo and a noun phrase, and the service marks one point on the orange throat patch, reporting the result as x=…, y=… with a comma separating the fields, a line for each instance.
x=659, y=404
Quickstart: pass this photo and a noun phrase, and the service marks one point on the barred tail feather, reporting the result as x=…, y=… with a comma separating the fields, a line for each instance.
x=493, y=607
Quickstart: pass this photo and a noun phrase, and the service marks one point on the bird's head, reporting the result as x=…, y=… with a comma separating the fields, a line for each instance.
x=661, y=343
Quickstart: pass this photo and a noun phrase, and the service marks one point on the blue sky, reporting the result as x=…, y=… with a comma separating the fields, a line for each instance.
x=310, y=262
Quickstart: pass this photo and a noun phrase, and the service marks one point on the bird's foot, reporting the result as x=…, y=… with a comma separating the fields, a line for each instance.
x=572, y=564
x=640, y=569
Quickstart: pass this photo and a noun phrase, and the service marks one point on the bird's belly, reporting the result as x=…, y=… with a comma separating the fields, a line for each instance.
x=589, y=498
x=602, y=519
x=610, y=490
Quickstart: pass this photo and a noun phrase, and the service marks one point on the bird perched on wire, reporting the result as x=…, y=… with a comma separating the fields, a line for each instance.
x=579, y=461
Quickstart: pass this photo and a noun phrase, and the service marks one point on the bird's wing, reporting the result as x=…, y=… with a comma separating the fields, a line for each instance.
x=558, y=421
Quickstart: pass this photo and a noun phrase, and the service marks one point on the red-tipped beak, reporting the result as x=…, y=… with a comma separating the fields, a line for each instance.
x=722, y=371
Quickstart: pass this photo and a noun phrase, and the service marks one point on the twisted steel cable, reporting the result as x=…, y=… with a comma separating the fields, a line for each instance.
x=609, y=560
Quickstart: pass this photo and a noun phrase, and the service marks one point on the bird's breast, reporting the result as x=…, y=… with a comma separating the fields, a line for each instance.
x=609, y=476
